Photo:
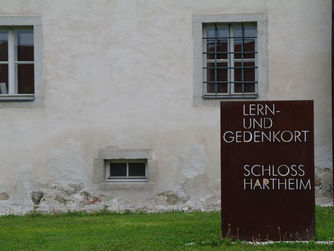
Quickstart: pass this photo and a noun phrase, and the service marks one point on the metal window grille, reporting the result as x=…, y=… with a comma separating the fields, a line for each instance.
x=230, y=60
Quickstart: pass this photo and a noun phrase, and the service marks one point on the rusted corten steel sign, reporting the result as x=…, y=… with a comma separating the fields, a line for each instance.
x=267, y=170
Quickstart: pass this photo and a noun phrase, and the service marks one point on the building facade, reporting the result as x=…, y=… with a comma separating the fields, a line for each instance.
x=113, y=104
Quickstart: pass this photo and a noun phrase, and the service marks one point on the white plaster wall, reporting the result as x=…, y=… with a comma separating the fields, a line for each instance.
x=119, y=73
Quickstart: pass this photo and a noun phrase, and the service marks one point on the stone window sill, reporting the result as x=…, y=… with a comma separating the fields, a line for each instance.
x=17, y=97
x=230, y=97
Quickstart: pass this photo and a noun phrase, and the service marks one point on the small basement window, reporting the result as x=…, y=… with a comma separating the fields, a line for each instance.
x=126, y=170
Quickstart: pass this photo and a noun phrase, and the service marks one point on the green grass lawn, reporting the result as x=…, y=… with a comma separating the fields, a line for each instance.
x=162, y=231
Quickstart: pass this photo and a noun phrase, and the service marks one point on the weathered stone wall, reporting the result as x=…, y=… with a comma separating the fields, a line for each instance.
x=120, y=73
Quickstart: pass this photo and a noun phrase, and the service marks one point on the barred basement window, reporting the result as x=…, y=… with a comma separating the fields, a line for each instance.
x=230, y=60
x=17, y=61
x=126, y=170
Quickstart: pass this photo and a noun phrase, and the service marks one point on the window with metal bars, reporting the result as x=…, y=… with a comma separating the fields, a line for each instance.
x=230, y=60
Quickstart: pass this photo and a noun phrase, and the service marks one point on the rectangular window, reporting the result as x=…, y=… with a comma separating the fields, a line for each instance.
x=230, y=60
x=122, y=170
x=17, y=61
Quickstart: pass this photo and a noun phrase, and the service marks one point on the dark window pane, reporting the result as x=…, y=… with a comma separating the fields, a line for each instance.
x=117, y=169
x=249, y=46
x=25, y=45
x=237, y=72
x=238, y=88
x=3, y=45
x=249, y=73
x=210, y=88
x=222, y=88
x=210, y=72
x=237, y=48
x=222, y=73
x=3, y=78
x=248, y=87
x=136, y=169
x=25, y=78
x=222, y=49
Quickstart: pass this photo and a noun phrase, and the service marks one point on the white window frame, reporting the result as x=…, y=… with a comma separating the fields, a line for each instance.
x=11, y=24
x=127, y=177
x=199, y=93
